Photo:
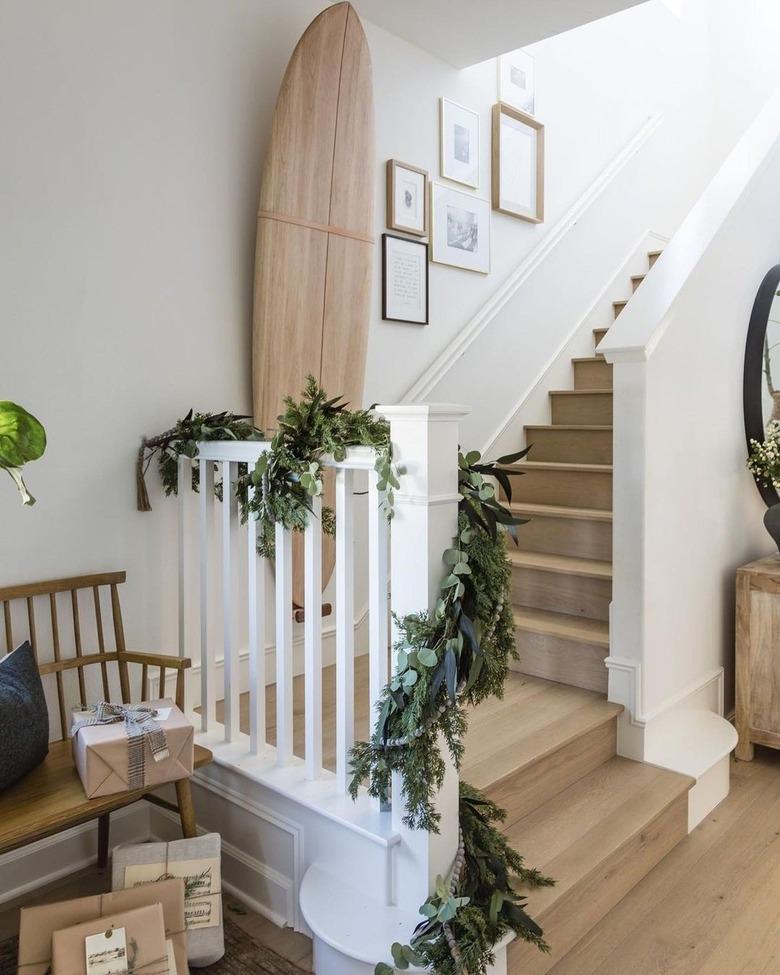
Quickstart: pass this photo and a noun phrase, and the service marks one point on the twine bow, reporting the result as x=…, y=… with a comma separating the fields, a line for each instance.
x=140, y=726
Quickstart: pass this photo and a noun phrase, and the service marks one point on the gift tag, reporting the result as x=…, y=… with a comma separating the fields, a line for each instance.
x=107, y=952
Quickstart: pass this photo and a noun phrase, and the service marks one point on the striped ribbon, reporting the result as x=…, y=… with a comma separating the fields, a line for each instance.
x=140, y=726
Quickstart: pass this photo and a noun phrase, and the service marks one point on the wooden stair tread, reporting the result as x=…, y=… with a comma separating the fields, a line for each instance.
x=577, y=628
x=564, y=564
x=571, y=835
x=580, y=392
x=557, y=465
x=605, y=427
x=534, y=719
x=559, y=511
x=589, y=358
x=654, y=253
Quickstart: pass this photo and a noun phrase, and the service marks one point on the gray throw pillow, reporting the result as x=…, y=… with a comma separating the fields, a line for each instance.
x=24, y=718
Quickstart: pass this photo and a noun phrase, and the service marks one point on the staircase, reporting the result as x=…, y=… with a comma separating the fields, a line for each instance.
x=547, y=753
x=562, y=571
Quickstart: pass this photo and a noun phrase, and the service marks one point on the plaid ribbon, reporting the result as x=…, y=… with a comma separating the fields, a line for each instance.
x=140, y=726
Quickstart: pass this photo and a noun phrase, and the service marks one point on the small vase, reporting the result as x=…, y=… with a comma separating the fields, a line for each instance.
x=772, y=523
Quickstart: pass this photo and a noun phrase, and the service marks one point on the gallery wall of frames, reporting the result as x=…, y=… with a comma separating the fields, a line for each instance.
x=447, y=220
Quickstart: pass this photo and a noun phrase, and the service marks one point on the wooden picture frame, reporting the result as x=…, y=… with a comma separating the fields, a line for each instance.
x=417, y=181
x=459, y=143
x=460, y=229
x=518, y=189
x=399, y=258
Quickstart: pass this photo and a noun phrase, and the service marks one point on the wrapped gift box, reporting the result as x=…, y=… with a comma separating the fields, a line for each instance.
x=38, y=924
x=198, y=862
x=108, y=761
x=144, y=938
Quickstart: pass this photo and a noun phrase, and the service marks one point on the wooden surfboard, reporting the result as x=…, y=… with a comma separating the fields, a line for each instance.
x=315, y=230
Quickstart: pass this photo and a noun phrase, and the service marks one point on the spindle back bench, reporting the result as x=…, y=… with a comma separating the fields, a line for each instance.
x=50, y=798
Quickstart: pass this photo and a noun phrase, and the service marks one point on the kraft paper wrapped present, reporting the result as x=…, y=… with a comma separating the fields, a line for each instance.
x=38, y=924
x=198, y=862
x=125, y=747
x=130, y=941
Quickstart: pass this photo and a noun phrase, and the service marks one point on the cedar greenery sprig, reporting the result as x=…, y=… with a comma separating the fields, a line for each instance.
x=289, y=475
x=182, y=440
x=475, y=912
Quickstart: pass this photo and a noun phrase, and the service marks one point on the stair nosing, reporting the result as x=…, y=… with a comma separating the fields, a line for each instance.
x=572, y=565
x=580, y=392
x=561, y=511
x=558, y=465
x=588, y=358
x=591, y=427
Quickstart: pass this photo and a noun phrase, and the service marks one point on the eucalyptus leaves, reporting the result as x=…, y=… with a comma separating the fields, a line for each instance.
x=464, y=918
x=22, y=439
x=454, y=655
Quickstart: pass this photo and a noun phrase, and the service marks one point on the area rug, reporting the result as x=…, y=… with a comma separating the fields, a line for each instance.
x=243, y=956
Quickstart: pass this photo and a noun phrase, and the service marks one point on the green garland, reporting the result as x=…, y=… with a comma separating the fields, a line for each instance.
x=452, y=656
x=462, y=922
x=455, y=655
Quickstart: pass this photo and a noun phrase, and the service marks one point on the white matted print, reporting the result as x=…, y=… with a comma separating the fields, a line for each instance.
x=518, y=164
x=407, y=198
x=460, y=229
x=459, y=143
x=516, y=81
x=404, y=280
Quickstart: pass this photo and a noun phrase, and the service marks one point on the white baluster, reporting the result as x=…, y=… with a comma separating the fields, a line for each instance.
x=256, y=636
x=377, y=596
x=207, y=662
x=183, y=487
x=313, y=640
x=284, y=650
x=230, y=644
x=345, y=636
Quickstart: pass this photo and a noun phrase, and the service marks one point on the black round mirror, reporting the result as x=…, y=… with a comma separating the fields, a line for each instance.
x=761, y=384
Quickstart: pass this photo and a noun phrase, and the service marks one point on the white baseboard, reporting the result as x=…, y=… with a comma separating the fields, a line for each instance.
x=54, y=857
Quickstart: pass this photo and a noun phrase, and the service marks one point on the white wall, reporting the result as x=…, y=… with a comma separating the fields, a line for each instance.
x=133, y=140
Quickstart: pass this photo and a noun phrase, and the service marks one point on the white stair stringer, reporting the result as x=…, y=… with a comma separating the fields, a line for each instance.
x=352, y=931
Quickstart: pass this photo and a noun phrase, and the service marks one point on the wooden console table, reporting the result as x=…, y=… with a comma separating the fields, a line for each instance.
x=758, y=656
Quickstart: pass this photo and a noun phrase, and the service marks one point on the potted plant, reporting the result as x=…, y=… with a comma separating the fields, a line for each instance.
x=22, y=439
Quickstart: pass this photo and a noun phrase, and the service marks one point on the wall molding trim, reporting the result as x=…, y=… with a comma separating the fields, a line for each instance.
x=631, y=672
x=538, y=254
x=583, y=323
x=267, y=875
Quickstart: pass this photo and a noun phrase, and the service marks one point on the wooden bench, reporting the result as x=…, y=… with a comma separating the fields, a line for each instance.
x=50, y=798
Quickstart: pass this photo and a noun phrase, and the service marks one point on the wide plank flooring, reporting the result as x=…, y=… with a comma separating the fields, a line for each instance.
x=711, y=907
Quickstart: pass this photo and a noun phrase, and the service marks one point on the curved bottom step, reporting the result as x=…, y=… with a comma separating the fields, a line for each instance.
x=352, y=932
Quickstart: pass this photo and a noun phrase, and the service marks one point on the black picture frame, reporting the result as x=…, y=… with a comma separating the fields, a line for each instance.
x=416, y=243
x=752, y=382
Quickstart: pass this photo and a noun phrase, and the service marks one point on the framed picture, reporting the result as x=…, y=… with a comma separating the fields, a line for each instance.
x=516, y=84
x=460, y=229
x=407, y=198
x=459, y=143
x=404, y=280
x=518, y=164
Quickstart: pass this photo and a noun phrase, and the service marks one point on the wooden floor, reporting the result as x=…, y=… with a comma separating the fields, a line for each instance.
x=711, y=907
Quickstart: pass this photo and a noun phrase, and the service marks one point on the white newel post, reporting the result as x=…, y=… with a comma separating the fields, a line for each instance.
x=425, y=442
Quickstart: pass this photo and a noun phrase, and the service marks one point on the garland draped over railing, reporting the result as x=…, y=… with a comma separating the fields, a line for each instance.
x=447, y=658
